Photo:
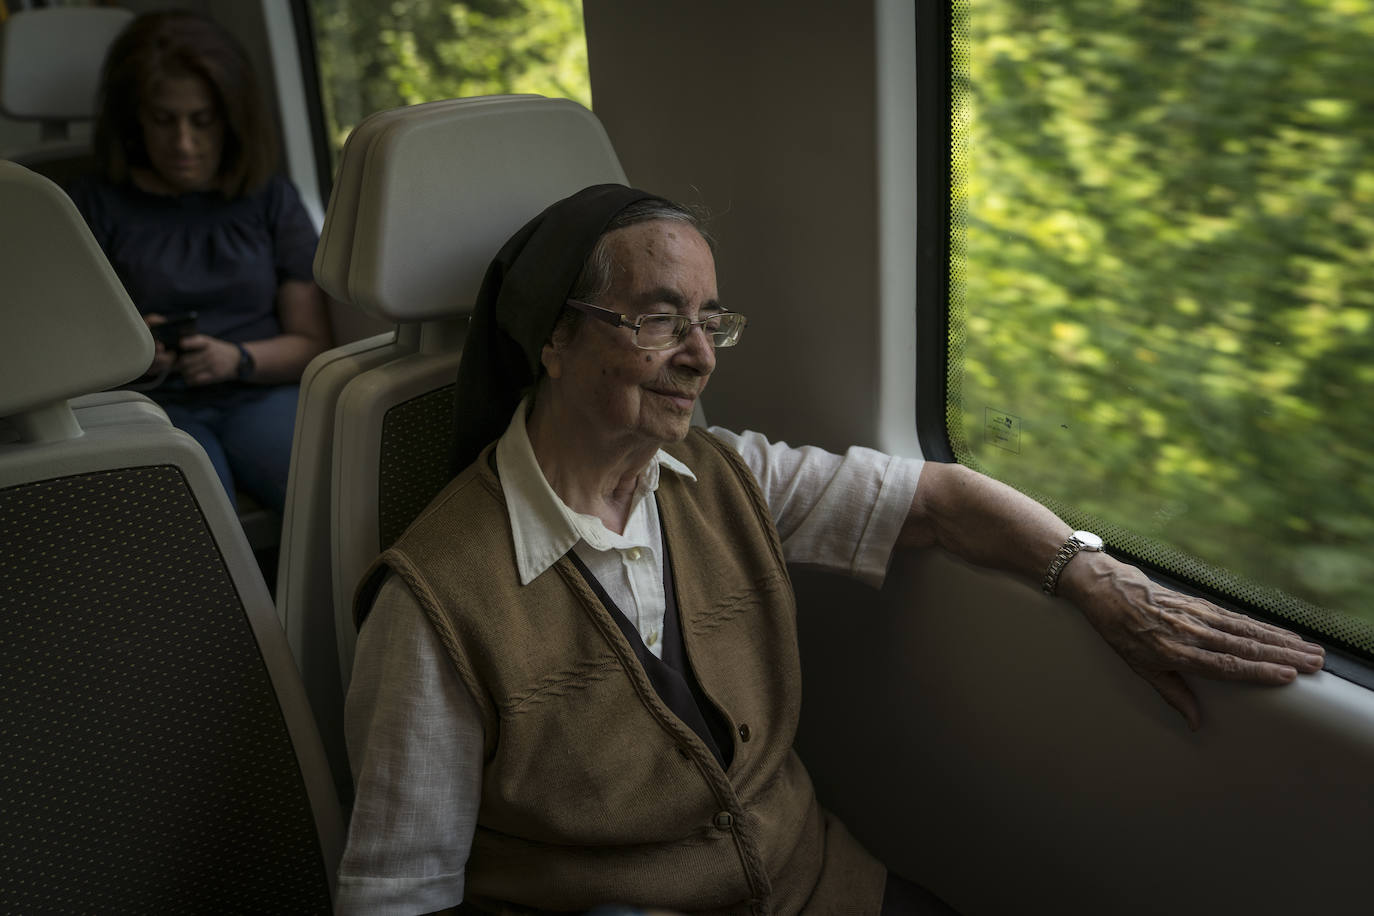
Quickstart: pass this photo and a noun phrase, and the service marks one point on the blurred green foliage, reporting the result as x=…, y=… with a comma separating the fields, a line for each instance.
x=380, y=54
x=1164, y=281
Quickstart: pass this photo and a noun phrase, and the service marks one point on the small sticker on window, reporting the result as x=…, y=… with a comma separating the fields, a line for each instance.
x=1002, y=430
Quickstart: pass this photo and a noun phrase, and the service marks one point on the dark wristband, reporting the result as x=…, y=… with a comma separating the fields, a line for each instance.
x=246, y=363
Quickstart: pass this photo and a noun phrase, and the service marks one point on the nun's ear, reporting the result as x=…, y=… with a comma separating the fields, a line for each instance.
x=551, y=358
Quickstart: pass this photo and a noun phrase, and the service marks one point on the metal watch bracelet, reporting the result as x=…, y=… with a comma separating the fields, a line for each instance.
x=1079, y=540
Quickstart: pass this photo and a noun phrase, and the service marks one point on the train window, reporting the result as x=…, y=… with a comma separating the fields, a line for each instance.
x=378, y=54
x=1161, y=284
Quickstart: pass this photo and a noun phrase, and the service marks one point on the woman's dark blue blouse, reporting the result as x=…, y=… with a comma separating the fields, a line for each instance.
x=197, y=251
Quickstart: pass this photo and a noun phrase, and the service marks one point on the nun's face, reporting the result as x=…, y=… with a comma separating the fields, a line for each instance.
x=625, y=394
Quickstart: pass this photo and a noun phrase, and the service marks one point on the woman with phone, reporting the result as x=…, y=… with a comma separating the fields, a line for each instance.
x=212, y=245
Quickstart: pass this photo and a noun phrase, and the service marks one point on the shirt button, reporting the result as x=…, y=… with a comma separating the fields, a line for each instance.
x=744, y=732
x=724, y=820
x=653, y=639
x=633, y=553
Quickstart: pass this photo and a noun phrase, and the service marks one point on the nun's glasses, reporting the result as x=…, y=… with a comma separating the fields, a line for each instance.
x=660, y=332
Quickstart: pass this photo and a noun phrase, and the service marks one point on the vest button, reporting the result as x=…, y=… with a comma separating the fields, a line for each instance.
x=744, y=732
x=724, y=820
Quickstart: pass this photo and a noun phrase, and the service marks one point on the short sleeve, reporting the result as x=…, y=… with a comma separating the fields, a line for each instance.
x=293, y=234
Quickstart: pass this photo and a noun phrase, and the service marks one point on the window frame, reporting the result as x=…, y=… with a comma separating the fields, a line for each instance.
x=933, y=24
x=307, y=54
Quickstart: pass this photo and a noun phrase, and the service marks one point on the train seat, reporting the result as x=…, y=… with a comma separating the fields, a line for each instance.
x=304, y=578
x=50, y=61
x=305, y=592
x=426, y=195
x=159, y=751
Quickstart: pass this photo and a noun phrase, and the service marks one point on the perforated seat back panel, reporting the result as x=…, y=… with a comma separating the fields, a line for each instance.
x=145, y=765
x=417, y=439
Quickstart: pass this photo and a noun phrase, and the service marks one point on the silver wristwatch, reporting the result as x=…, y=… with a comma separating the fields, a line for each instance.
x=1079, y=540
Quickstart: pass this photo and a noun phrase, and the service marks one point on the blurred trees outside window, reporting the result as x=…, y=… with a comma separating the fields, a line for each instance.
x=380, y=54
x=1162, y=283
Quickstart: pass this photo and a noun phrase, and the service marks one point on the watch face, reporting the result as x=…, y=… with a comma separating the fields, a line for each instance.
x=1089, y=540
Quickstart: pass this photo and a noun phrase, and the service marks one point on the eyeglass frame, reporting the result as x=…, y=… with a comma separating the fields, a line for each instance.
x=618, y=320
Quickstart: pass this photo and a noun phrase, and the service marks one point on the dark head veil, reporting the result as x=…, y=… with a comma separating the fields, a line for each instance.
x=521, y=296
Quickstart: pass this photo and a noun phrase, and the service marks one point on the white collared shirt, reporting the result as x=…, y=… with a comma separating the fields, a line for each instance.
x=414, y=733
x=628, y=565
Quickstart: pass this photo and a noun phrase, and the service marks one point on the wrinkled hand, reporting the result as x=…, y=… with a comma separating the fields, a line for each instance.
x=1163, y=634
x=206, y=360
x=162, y=357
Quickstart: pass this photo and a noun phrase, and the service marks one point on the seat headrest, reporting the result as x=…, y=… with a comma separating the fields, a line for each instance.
x=426, y=196
x=50, y=60
x=69, y=326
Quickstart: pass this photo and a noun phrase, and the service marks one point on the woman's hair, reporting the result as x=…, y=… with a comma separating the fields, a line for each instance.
x=178, y=43
x=598, y=271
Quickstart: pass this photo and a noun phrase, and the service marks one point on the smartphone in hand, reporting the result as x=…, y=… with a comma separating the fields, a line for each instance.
x=177, y=326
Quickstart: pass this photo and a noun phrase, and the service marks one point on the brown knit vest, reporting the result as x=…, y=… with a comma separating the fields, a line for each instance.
x=593, y=791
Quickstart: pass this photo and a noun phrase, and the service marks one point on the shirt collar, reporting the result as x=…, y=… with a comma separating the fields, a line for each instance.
x=543, y=526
